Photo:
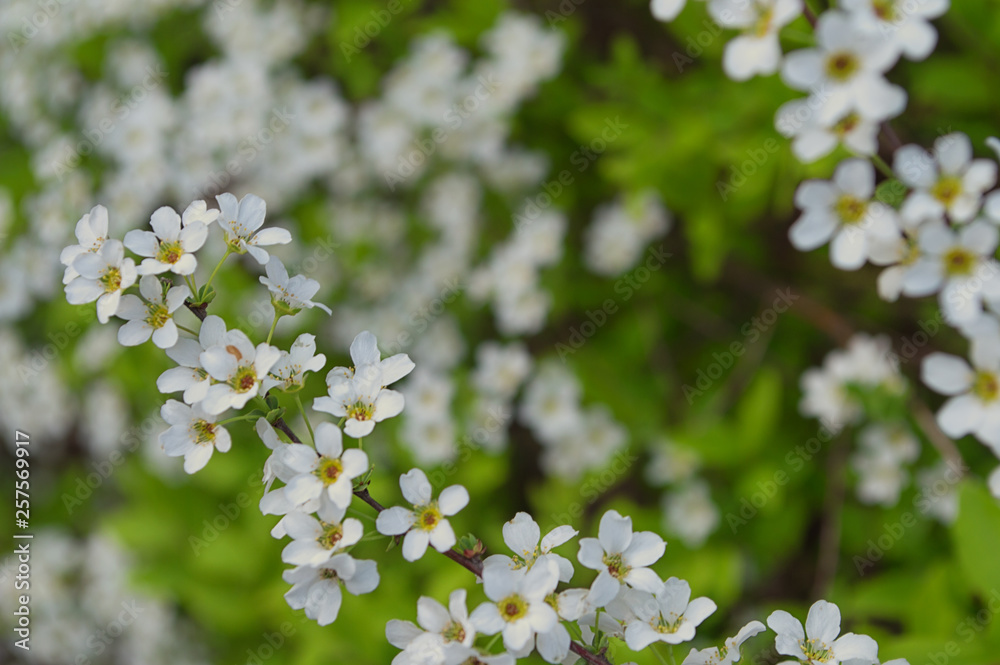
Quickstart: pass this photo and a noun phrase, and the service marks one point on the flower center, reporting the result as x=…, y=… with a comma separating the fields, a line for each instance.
x=842, y=65
x=616, y=566
x=244, y=380
x=959, y=261
x=170, y=252
x=328, y=574
x=453, y=632
x=332, y=533
x=947, y=189
x=847, y=124
x=329, y=470
x=763, y=25
x=815, y=650
x=851, y=210
x=112, y=280
x=158, y=315
x=428, y=517
x=667, y=625
x=512, y=608
x=885, y=10
x=204, y=431
x=360, y=411
x=986, y=386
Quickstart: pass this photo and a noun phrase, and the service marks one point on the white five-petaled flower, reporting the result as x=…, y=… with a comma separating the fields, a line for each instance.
x=974, y=404
x=91, y=232
x=844, y=72
x=151, y=315
x=425, y=523
x=317, y=588
x=522, y=536
x=192, y=433
x=903, y=23
x=103, y=275
x=189, y=375
x=727, y=654
x=239, y=367
x=316, y=539
x=241, y=221
x=667, y=615
x=518, y=608
x=843, y=209
x=168, y=247
x=814, y=139
x=288, y=374
x=757, y=50
x=445, y=634
x=332, y=470
x=359, y=394
x=958, y=264
x=621, y=557
x=818, y=644
x=294, y=292
x=950, y=182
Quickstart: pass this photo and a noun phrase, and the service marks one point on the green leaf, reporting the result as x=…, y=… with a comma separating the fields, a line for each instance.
x=976, y=536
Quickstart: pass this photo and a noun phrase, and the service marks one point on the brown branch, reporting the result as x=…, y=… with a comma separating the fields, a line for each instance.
x=833, y=505
x=949, y=451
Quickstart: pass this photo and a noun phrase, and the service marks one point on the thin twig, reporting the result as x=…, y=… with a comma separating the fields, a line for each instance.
x=833, y=506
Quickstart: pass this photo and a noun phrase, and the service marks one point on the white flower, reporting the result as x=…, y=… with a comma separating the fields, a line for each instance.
x=814, y=139
x=317, y=588
x=819, y=644
x=168, y=246
x=333, y=470
x=690, y=513
x=993, y=482
x=239, y=368
x=903, y=23
x=152, y=318
x=241, y=220
x=958, y=264
x=974, y=407
x=103, y=275
x=359, y=393
x=91, y=232
x=522, y=536
x=845, y=72
x=190, y=376
x=192, y=433
x=668, y=615
x=757, y=50
x=949, y=182
x=316, y=540
x=519, y=608
x=728, y=653
x=288, y=373
x=666, y=10
x=199, y=212
x=447, y=633
x=842, y=209
x=621, y=557
x=295, y=292
x=500, y=369
x=426, y=523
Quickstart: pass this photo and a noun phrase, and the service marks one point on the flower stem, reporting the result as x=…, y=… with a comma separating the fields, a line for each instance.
x=229, y=250
x=882, y=166
x=302, y=410
x=274, y=324
x=185, y=329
